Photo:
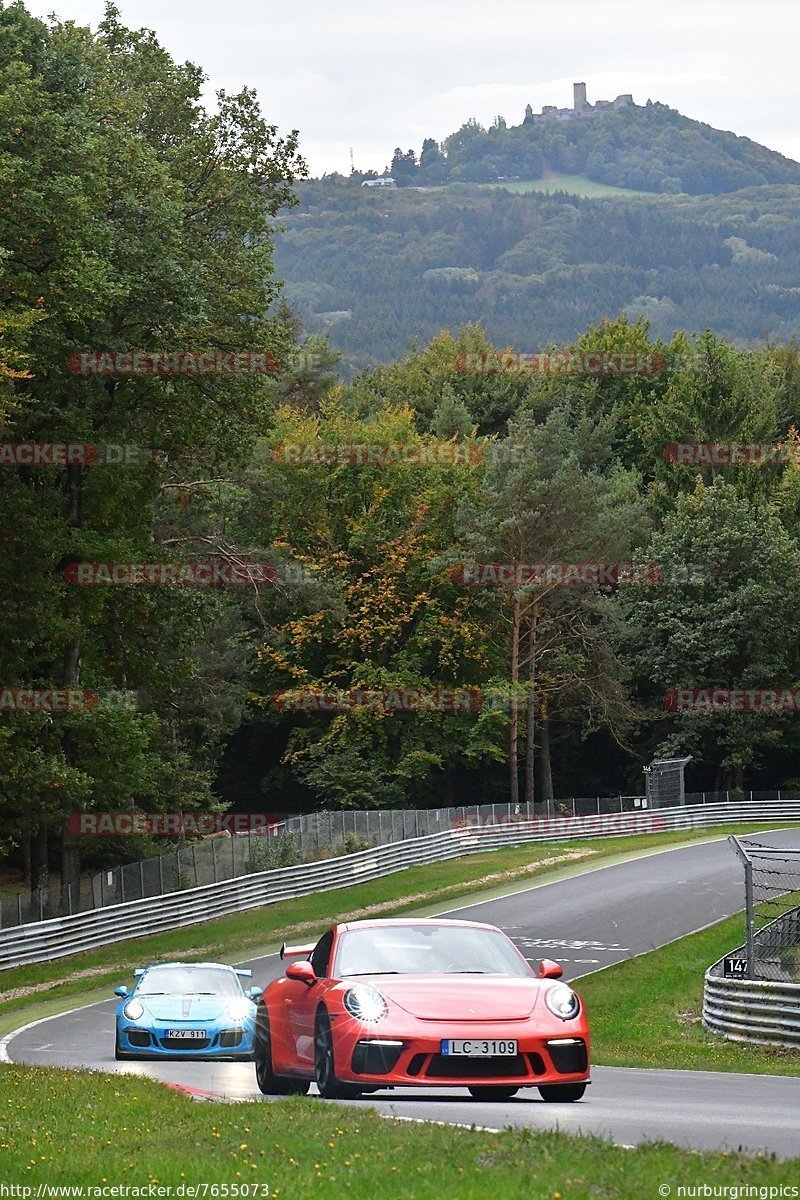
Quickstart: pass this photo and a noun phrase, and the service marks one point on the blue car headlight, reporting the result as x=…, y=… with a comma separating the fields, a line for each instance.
x=240, y=1010
x=133, y=1010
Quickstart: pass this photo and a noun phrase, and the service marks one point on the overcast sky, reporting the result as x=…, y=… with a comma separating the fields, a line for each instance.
x=372, y=76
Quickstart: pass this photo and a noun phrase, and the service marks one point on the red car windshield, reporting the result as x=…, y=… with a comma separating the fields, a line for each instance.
x=427, y=949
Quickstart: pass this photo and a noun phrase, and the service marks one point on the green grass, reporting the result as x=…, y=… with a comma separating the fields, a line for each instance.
x=41, y=989
x=81, y=1129
x=576, y=185
x=646, y=1012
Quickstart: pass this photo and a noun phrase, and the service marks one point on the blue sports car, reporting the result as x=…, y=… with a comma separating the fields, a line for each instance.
x=186, y=1010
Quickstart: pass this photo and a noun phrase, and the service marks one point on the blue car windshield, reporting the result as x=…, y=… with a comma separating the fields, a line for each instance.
x=188, y=981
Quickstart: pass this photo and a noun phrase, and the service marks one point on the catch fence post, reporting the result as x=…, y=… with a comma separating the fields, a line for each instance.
x=750, y=916
x=748, y=907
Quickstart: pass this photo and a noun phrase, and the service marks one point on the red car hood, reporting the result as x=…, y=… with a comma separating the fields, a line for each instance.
x=461, y=997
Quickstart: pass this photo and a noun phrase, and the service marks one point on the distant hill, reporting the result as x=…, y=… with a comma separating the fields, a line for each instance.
x=376, y=269
x=650, y=148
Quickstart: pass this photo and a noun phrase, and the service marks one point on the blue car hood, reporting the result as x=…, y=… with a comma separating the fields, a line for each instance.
x=201, y=1009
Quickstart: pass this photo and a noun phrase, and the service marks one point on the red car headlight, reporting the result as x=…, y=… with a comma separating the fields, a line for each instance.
x=365, y=1004
x=562, y=1002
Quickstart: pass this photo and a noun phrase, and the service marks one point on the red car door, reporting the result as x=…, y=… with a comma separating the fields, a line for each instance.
x=302, y=1002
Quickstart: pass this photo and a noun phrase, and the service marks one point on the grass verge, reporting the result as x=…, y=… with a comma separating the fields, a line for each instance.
x=647, y=1012
x=576, y=185
x=41, y=989
x=68, y=1126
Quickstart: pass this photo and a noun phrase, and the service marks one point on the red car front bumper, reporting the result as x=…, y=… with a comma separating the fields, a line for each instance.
x=382, y=1059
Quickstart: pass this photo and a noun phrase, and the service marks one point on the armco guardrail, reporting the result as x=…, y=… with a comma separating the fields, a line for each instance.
x=751, y=1010
x=44, y=940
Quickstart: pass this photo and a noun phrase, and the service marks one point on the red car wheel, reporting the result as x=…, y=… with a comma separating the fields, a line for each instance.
x=562, y=1092
x=492, y=1093
x=328, y=1085
x=268, y=1082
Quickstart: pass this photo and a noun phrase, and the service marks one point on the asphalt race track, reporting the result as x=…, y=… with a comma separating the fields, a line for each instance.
x=586, y=922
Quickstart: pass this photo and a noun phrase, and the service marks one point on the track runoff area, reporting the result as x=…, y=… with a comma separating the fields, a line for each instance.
x=589, y=921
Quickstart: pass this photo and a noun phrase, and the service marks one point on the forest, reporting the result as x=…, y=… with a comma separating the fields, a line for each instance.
x=378, y=272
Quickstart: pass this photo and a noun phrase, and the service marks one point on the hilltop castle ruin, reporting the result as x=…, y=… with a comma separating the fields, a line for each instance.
x=580, y=107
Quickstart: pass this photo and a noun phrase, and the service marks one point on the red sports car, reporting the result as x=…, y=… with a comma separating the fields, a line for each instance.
x=415, y=1002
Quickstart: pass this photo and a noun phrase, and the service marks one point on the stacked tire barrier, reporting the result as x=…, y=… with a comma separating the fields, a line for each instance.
x=752, y=1010
x=60, y=936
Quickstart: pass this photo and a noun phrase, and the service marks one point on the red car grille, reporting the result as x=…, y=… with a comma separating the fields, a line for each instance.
x=444, y=1066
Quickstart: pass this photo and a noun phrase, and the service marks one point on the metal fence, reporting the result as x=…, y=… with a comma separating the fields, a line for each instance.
x=60, y=936
x=772, y=914
x=312, y=837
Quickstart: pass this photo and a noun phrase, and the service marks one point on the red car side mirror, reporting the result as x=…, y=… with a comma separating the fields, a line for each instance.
x=549, y=969
x=301, y=972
